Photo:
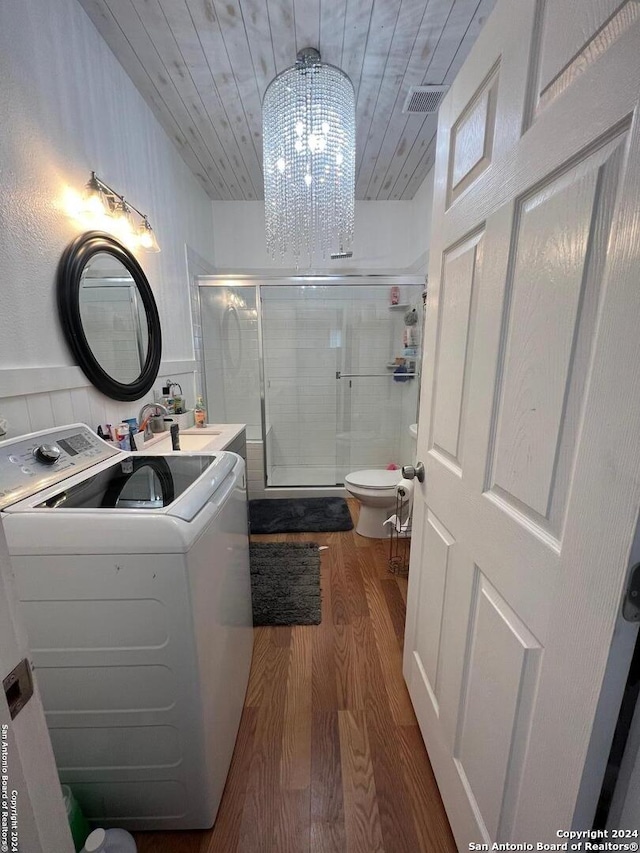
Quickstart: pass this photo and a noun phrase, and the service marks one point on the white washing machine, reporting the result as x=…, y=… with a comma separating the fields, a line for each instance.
x=133, y=577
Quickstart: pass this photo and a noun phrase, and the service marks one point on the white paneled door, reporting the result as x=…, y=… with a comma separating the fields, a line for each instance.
x=530, y=420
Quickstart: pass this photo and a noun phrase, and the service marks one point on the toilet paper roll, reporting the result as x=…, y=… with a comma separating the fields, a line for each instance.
x=404, y=489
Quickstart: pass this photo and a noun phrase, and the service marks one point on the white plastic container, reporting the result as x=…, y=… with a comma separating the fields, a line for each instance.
x=109, y=841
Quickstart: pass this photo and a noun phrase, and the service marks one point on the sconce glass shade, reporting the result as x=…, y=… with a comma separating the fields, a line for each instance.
x=147, y=237
x=308, y=118
x=94, y=201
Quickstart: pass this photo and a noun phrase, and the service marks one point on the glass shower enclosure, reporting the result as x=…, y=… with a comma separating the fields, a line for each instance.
x=323, y=370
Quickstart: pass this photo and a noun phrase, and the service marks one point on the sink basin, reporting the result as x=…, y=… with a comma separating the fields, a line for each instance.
x=190, y=441
x=196, y=442
x=413, y=429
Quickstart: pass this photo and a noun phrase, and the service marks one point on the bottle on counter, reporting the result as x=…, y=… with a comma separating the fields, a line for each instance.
x=123, y=438
x=200, y=412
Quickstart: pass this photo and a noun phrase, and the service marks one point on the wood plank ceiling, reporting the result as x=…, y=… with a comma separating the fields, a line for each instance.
x=203, y=67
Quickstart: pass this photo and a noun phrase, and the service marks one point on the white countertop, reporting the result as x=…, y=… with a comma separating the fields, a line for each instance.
x=221, y=436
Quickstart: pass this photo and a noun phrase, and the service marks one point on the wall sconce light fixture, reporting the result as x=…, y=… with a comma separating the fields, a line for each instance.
x=103, y=209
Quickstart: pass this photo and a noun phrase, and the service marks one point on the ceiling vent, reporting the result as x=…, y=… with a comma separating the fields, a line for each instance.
x=424, y=99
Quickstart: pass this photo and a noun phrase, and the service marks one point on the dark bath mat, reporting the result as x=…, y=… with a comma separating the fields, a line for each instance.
x=299, y=515
x=285, y=583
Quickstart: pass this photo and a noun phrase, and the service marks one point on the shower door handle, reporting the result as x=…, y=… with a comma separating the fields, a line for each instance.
x=340, y=375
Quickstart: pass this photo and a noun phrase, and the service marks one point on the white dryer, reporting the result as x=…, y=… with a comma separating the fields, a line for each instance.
x=133, y=577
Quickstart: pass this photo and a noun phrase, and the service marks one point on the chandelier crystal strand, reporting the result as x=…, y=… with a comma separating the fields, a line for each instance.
x=308, y=118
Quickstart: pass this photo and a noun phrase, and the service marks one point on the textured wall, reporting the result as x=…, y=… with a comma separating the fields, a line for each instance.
x=389, y=235
x=67, y=107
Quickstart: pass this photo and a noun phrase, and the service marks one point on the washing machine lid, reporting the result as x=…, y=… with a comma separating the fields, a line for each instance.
x=132, y=482
x=374, y=478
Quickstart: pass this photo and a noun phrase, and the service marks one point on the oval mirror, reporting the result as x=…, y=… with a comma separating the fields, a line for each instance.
x=109, y=316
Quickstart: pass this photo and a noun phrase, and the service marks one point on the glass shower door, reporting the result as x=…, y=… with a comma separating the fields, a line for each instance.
x=230, y=341
x=376, y=403
x=333, y=402
x=302, y=333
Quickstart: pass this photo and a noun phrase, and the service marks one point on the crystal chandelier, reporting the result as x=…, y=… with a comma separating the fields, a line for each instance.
x=309, y=141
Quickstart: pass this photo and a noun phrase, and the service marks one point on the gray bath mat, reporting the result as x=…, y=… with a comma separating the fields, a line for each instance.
x=299, y=515
x=285, y=583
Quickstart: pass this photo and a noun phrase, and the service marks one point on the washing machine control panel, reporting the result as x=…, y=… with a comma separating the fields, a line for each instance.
x=29, y=464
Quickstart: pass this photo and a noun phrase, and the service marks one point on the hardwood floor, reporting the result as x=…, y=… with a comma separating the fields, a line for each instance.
x=329, y=758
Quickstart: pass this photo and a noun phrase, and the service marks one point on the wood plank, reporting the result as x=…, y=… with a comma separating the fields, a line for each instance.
x=423, y=147
x=332, y=17
x=370, y=674
x=396, y=608
x=463, y=25
x=263, y=799
x=361, y=815
x=263, y=665
x=384, y=20
x=429, y=816
x=390, y=656
x=409, y=183
x=295, y=764
x=233, y=31
x=484, y=9
x=292, y=833
x=413, y=133
x=215, y=83
x=258, y=31
x=157, y=92
x=307, y=18
x=327, y=805
x=283, y=33
x=324, y=690
x=394, y=806
x=340, y=612
x=349, y=563
x=154, y=37
x=356, y=32
x=458, y=23
x=403, y=583
x=383, y=85
x=389, y=119
x=349, y=685
x=226, y=830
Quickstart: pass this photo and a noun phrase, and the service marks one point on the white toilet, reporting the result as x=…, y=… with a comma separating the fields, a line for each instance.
x=376, y=491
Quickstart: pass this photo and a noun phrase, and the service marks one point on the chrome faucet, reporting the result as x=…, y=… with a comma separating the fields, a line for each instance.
x=143, y=411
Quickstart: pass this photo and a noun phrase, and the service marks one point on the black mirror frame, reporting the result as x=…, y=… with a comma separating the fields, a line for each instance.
x=72, y=264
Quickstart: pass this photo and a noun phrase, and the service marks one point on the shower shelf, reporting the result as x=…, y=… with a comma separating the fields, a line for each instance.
x=403, y=306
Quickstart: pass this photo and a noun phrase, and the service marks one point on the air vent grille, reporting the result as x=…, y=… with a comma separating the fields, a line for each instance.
x=424, y=99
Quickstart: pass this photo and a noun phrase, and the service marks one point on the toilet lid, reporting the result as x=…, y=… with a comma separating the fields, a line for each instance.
x=374, y=478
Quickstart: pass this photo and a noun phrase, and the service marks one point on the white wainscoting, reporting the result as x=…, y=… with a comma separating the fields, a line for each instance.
x=35, y=398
